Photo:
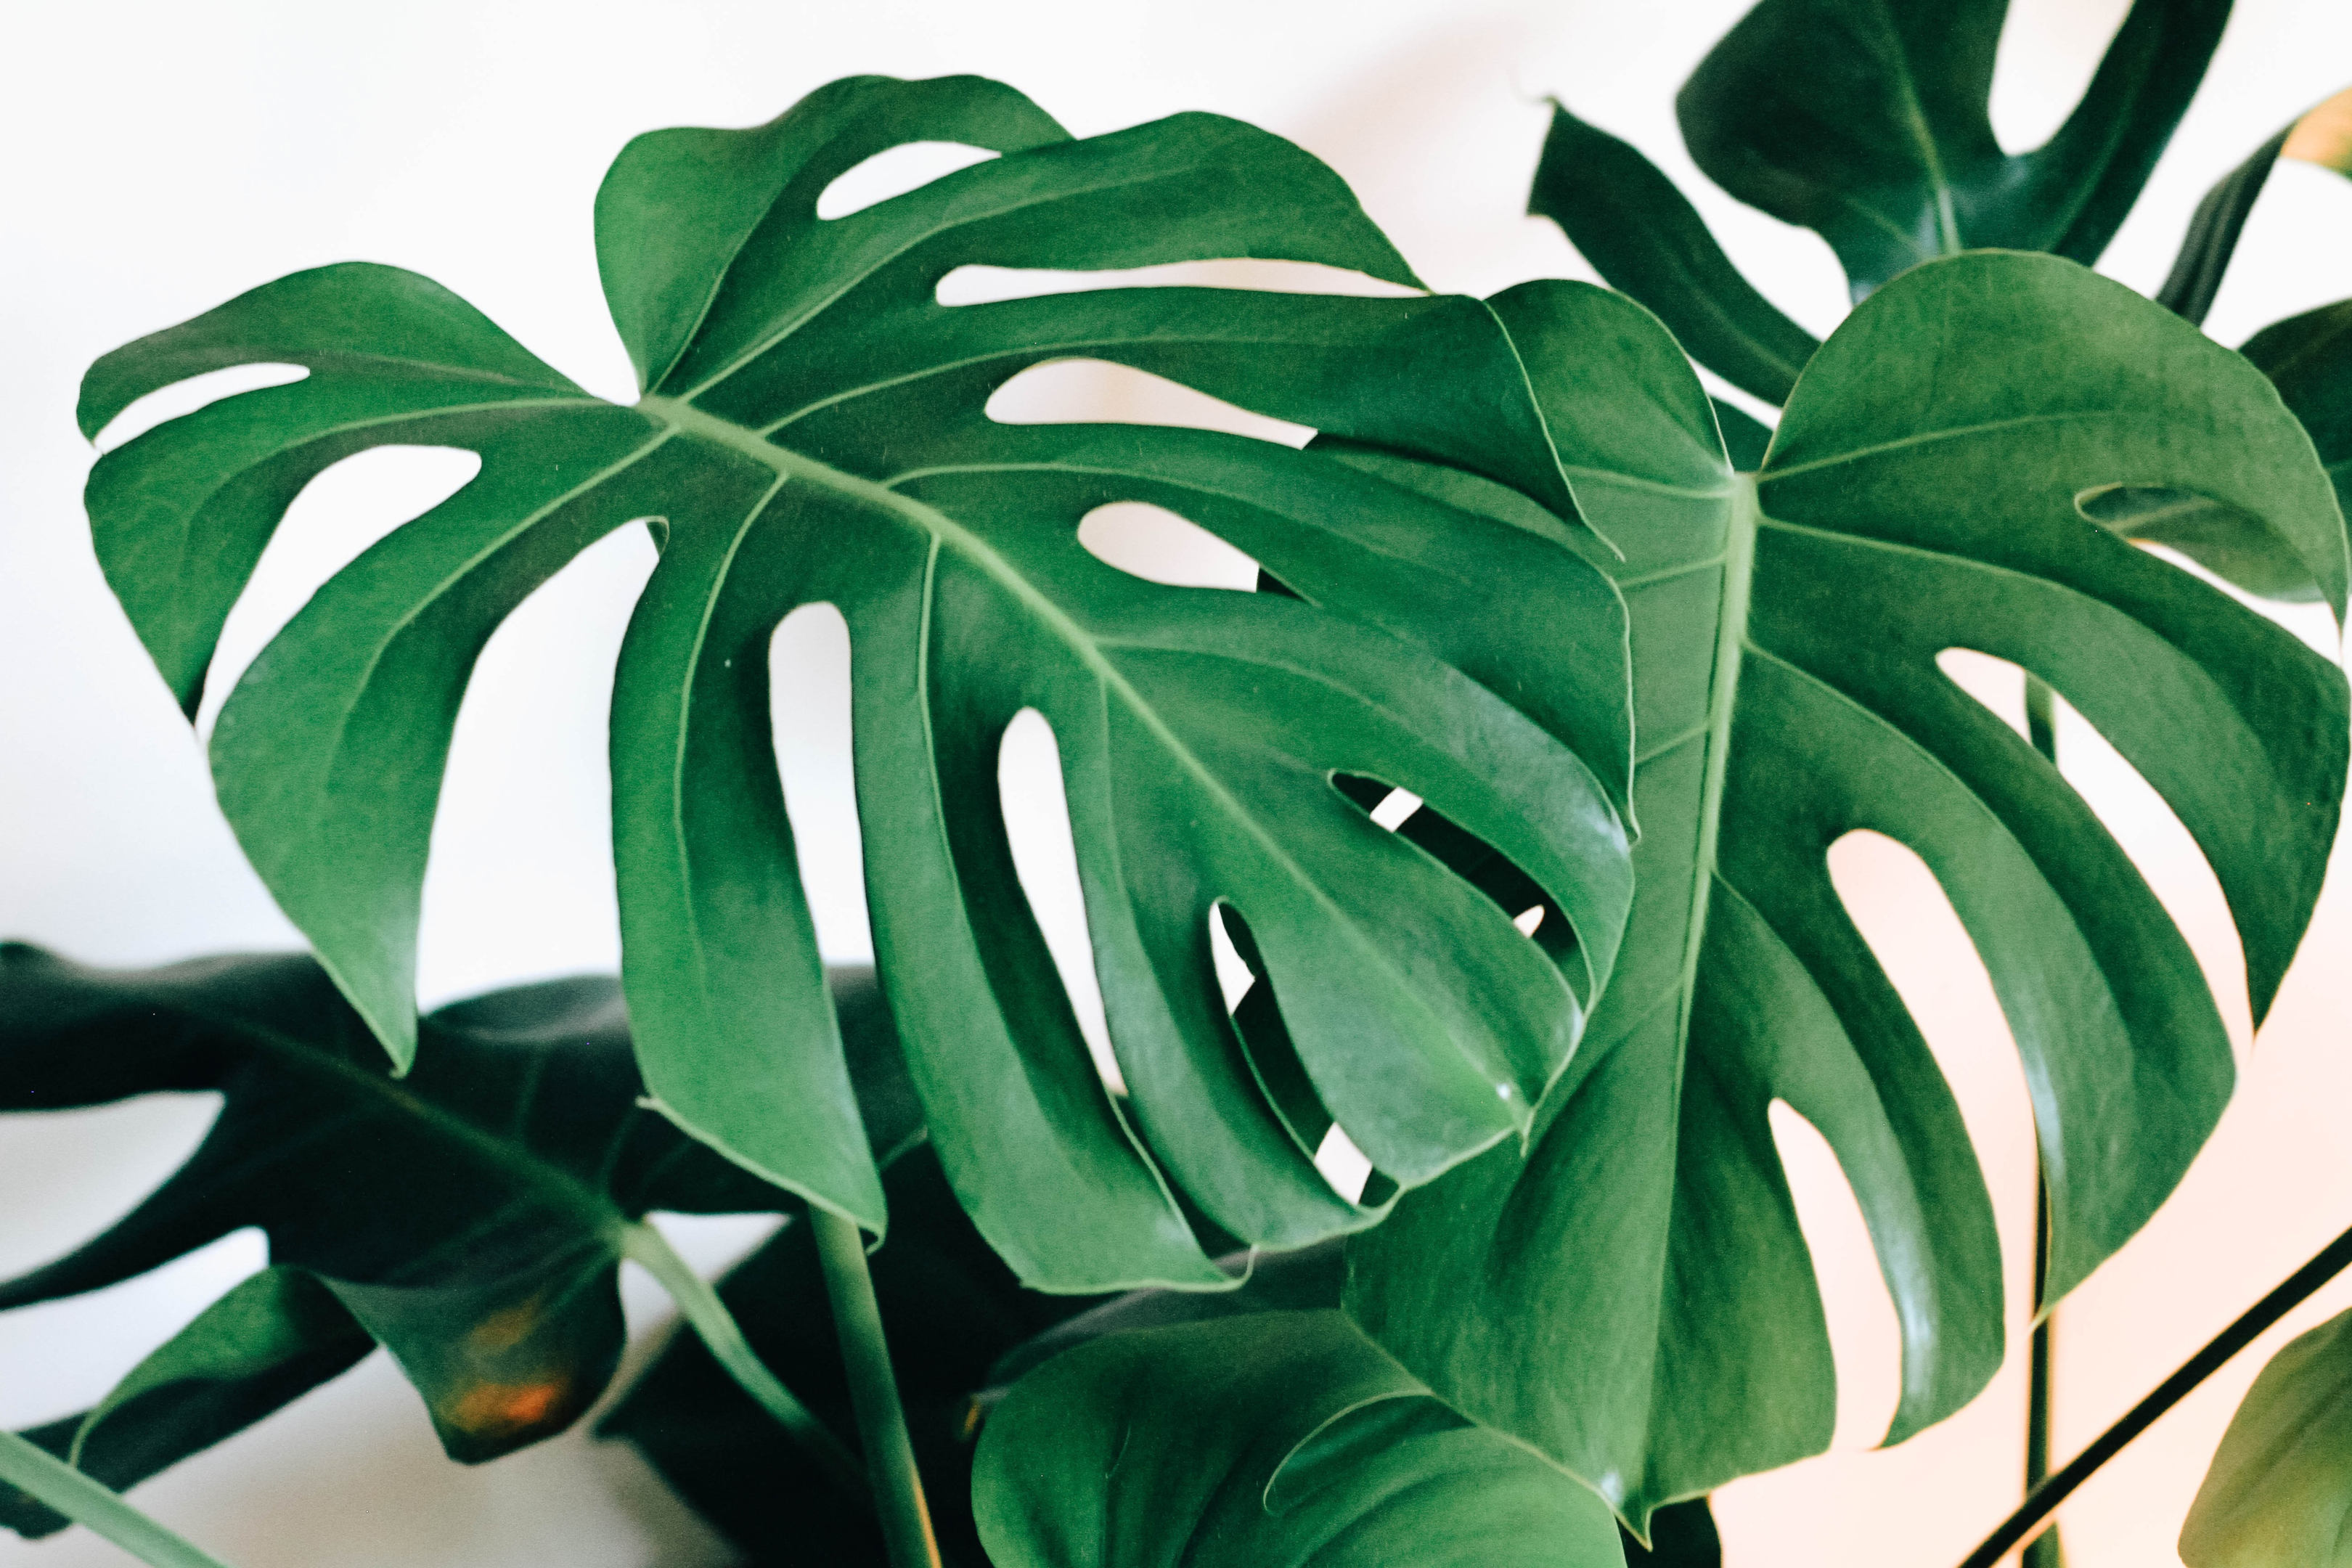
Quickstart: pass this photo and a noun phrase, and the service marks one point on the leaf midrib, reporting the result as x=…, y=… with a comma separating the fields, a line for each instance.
x=945, y=531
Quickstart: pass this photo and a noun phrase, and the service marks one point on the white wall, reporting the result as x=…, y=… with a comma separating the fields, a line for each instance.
x=164, y=157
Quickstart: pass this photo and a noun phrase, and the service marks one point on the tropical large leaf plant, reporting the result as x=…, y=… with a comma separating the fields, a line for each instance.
x=1629, y=662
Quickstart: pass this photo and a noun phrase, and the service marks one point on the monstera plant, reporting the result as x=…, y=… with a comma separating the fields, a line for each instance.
x=1512, y=791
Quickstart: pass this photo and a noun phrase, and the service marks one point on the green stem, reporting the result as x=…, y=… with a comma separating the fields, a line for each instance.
x=2043, y=1550
x=701, y=1308
x=30, y=1468
x=874, y=1391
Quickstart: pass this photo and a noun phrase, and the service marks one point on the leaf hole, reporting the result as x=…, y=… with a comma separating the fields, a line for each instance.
x=1998, y=685
x=1865, y=1336
x=519, y=882
x=1159, y=546
x=343, y=513
x=1473, y=859
x=1045, y=859
x=809, y=709
x=184, y=397
x=1086, y=391
x=976, y=284
x=894, y=172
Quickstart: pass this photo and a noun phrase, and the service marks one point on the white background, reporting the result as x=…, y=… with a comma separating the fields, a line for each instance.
x=162, y=158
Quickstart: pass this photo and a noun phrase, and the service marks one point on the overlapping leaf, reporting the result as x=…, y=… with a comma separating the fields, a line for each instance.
x=814, y=429
x=950, y=1308
x=1635, y=1297
x=465, y=1217
x=2279, y=1494
x=1273, y=1440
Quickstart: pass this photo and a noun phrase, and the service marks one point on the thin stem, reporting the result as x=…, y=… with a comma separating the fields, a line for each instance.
x=874, y=1393
x=32, y=1469
x=701, y=1308
x=2299, y=1287
x=2043, y=1550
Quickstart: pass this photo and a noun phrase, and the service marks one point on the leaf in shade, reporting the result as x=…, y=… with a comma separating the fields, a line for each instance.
x=2323, y=136
x=466, y=1217
x=1635, y=1297
x=814, y=430
x=1682, y=1535
x=1273, y=1440
x=950, y=1308
x=1626, y=218
x=1866, y=120
x=2279, y=1494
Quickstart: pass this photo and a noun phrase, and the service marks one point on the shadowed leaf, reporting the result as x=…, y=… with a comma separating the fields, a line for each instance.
x=2279, y=1494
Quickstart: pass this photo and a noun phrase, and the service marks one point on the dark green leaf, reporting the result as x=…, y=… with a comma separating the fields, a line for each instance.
x=951, y=1307
x=1866, y=120
x=265, y=1344
x=465, y=1217
x=2279, y=1494
x=1682, y=1535
x=816, y=431
x=1273, y=1440
x=2213, y=230
x=1624, y=216
x=1634, y=1298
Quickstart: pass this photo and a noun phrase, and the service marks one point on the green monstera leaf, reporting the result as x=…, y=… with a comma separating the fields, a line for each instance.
x=2279, y=1494
x=1273, y=1440
x=1633, y=1296
x=950, y=1308
x=814, y=429
x=471, y=1216
x=1866, y=120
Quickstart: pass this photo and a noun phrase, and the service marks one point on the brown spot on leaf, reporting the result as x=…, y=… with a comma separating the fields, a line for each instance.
x=497, y=1409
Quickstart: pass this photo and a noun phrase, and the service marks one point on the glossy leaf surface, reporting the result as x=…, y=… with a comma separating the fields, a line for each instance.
x=1625, y=217
x=2280, y=1489
x=814, y=430
x=1634, y=1298
x=465, y=1217
x=950, y=1308
x=1866, y=120
x=1274, y=1440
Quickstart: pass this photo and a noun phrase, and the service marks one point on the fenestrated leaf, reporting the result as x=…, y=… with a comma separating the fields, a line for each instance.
x=950, y=1308
x=2279, y=1494
x=1624, y=216
x=1273, y=1440
x=1920, y=496
x=466, y=1217
x=1866, y=120
x=815, y=430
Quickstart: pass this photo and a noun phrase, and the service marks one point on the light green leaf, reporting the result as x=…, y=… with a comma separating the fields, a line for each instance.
x=816, y=431
x=2279, y=1494
x=1275, y=1440
x=1866, y=121
x=1634, y=1298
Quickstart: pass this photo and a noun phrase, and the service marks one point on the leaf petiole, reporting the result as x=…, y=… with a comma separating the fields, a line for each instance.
x=874, y=1390
x=26, y=1464
x=699, y=1305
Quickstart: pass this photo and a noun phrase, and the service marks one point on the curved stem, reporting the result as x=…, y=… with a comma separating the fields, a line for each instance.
x=2299, y=1287
x=32, y=1469
x=2043, y=1550
x=699, y=1305
x=874, y=1391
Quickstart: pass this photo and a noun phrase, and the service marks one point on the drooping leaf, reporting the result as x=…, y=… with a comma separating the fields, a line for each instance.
x=465, y=1217
x=814, y=430
x=2279, y=1494
x=950, y=1308
x=1920, y=495
x=265, y=1344
x=1626, y=218
x=1273, y=1440
x=1866, y=120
